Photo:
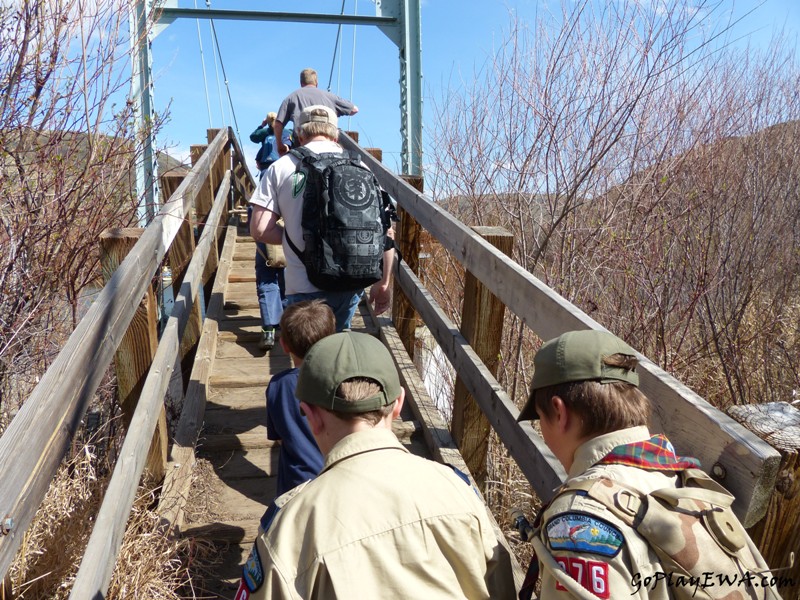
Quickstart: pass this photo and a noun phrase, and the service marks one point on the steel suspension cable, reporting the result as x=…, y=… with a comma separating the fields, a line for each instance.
x=203, y=65
x=224, y=75
x=337, y=49
x=353, y=60
x=216, y=67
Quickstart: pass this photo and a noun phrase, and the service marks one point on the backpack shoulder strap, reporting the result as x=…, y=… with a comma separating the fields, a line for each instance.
x=295, y=249
x=621, y=500
x=304, y=154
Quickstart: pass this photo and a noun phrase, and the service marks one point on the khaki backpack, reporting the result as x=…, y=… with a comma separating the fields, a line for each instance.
x=704, y=551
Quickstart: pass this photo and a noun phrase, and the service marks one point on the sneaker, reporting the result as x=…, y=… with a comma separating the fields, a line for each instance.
x=267, y=339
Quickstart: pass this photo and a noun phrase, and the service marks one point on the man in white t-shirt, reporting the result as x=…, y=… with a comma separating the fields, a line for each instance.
x=280, y=195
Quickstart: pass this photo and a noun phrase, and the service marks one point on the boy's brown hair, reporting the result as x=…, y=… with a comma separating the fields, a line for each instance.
x=357, y=389
x=303, y=324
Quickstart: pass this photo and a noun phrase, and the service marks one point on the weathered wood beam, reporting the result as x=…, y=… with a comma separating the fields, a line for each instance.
x=138, y=347
x=243, y=183
x=777, y=534
x=482, y=318
x=175, y=491
x=408, y=239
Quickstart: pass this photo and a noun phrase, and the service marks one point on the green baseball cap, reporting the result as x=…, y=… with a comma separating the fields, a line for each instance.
x=342, y=356
x=577, y=356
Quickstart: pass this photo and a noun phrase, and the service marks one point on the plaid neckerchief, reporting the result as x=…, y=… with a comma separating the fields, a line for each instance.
x=655, y=454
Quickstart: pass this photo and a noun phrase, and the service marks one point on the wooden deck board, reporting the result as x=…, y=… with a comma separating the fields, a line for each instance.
x=247, y=372
x=247, y=348
x=245, y=464
x=234, y=398
x=241, y=420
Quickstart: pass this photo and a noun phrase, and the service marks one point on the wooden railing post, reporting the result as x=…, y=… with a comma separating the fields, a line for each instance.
x=202, y=206
x=218, y=170
x=222, y=164
x=242, y=181
x=178, y=257
x=205, y=194
x=135, y=352
x=777, y=535
x=482, y=325
x=407, y=239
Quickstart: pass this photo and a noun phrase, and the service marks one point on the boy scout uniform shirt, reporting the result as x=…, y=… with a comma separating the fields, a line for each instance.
x=624, y=552
x=379, y=522
x=606, y=556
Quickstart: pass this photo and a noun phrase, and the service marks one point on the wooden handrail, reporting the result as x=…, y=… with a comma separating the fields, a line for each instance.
x=238, y=157
x=47, y=422
x=692, y=424
x=175, y=491
x=535, y=460
x=97, y=565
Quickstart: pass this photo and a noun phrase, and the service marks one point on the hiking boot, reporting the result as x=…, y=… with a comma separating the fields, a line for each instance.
x=267, y=339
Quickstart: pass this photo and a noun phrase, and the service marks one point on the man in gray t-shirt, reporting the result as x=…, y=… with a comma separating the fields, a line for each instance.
x=307, y=95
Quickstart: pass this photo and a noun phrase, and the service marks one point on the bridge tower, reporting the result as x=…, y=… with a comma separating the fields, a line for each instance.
x=399, y=20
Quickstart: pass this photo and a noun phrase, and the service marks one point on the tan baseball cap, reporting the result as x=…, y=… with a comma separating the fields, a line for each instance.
x=312, y=114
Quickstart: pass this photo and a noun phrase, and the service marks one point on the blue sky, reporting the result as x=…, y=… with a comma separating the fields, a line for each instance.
x=262, y=62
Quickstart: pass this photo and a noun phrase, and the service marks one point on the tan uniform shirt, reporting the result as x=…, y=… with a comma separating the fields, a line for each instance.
x=379, y=522
x=610, y=565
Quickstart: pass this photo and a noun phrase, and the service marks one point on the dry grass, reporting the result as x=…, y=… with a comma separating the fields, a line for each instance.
x=151, y=565
x=203, y=505
x=54, y=543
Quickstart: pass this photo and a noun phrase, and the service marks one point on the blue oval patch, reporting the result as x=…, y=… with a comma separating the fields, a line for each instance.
x=578, y=532
x=252, y=573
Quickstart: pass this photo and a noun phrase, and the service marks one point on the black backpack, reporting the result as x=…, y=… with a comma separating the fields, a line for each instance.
x=345, y=219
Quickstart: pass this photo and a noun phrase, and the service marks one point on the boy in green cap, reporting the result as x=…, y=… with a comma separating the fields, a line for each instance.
x=633, y=518
x=378, y=522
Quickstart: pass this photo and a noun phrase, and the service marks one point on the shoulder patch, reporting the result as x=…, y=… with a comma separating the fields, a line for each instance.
x=277, y=504
x=252, y=573
x=579, y=532
x=298, y=183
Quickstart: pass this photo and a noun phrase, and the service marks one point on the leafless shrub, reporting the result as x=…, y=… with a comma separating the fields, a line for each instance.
x=649, y=174
x=66, y=151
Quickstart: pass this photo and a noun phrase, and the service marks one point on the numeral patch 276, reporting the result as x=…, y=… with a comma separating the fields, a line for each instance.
x=591, y=574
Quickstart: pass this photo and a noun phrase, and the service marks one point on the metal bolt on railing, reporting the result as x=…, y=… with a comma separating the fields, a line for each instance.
x=7, y=525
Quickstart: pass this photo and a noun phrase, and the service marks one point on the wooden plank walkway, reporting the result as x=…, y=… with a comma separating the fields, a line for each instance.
x=237, y=464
